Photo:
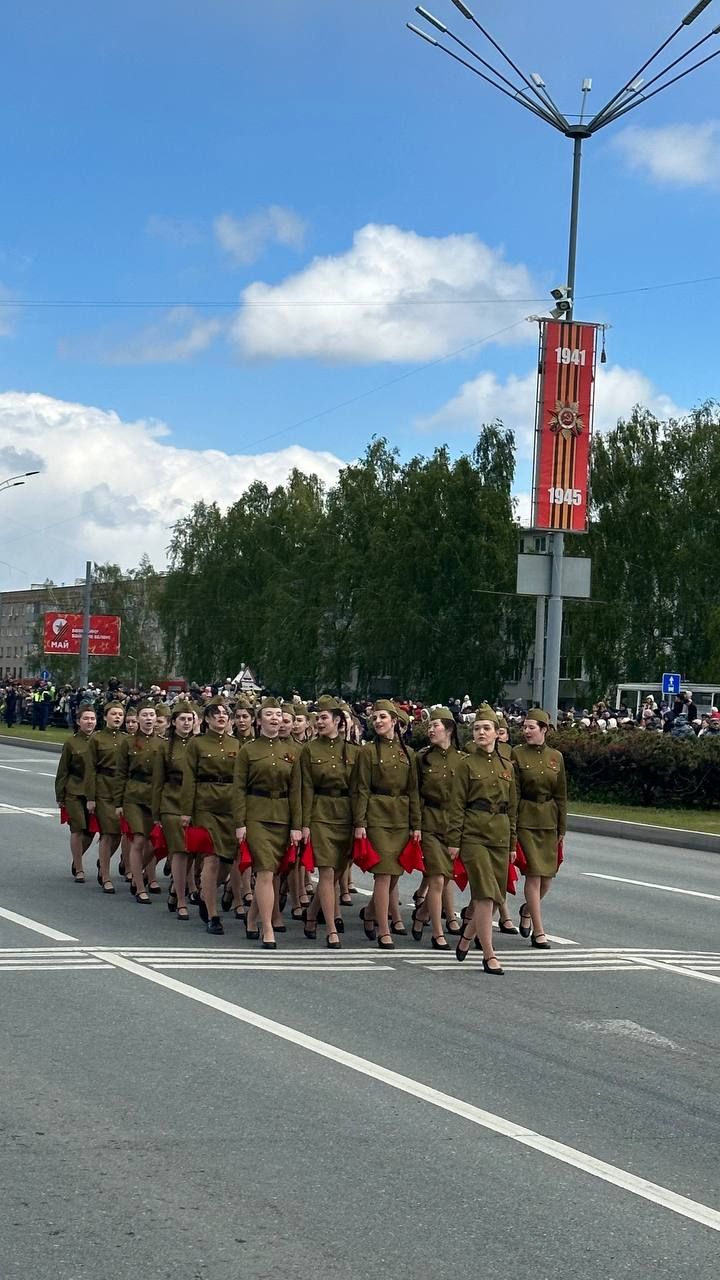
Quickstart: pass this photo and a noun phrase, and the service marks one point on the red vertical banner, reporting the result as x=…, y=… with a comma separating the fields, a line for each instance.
x=563, y=425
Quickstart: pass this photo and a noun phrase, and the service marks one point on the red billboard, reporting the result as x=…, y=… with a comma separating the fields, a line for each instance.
x=63, y=634
x=563, y=425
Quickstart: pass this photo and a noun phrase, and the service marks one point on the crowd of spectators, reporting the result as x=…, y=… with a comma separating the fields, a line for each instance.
x=41, y=705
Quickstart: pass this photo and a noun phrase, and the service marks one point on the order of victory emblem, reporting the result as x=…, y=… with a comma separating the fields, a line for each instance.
x=566, y=420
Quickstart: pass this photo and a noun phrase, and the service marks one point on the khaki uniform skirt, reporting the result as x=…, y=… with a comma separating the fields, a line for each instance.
x=487, y=869
x=78, y=817
x=138, y=818
x=267, y=842
x=436, y=857
x=107, y=819
x=540, y=849
x=332, y=846
x=174, y=832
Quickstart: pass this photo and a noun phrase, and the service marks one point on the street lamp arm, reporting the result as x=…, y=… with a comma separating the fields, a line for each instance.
x=598, y=119
x=516, y=96
x=645, y=97
x=610, y=115
x=559, y=119
x=429, y=17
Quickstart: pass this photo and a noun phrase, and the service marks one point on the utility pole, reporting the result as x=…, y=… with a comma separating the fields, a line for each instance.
x=85, y=641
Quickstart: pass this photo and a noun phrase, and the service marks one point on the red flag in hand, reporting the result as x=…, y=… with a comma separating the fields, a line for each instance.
x=411, y=858
x=198, y=840
x=521, y=861
x=93, y=825
x=63, y=815
x=560, y=853
x=158, y=842
x=244, y=856
x=125, y=829
x=307, y=857
x=460, y=875
x=288, y=860
x=513, y=877
x=363, y=854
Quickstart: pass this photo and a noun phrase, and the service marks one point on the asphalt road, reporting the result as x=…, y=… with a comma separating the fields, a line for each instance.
x=175, y=1105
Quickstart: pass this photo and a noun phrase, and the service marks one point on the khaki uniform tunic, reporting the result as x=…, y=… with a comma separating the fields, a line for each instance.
x=481, y=822
x=320, y=799
x=70, y=781
x=542, y=809
x=100, y=765
x=168, y=772
x=261, y=798
x=206, y=792
x=133, y=780
x=436, y=770
x=385, y=800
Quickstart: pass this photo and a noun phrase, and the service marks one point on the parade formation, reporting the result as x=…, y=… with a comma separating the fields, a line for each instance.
x=242, y=803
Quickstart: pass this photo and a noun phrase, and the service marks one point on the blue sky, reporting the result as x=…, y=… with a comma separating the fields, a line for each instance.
x=178, y=155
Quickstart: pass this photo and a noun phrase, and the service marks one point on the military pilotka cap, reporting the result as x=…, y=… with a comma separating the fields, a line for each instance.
x=287, y=708
x=299, y=709
x=88, y=706
x=110, y=706
x=162, y=709
x=384, y=704
x=538, y=714
x=243, y=704
x=326, y=702
x=486, y=712
x=216, y=703
x=272, y=704
x=442, y=713
x=181, y=708
x=146, y=706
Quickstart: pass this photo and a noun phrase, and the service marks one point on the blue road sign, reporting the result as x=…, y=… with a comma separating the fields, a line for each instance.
x=44, y=675
x=671, y=682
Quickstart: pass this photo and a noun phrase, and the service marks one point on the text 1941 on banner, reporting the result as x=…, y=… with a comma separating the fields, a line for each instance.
x=563, y=426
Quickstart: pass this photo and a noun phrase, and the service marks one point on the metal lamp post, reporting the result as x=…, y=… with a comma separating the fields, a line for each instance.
x=12, y=482
x=532, y=94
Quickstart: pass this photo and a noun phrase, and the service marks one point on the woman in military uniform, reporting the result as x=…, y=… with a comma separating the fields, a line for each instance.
x=243, y=721
x=133, y=795
x=481, y=828
x=505, y=750
x=261, y=805
x=167, y=786
x=70, y=790
x=436, y=769
x=542, y=817
x=100, y=765
x=206, y=801
x=320, y=806
x=386, y=810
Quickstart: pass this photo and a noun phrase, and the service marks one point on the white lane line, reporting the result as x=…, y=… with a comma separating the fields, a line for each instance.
x=652, y=1191
x=14, y=768
x=51, y=968
x=36, y=927
x=648, y=884
x=666, y=967
x=34, y=812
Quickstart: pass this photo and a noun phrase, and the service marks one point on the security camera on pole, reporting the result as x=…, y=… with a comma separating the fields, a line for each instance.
x=531, y=93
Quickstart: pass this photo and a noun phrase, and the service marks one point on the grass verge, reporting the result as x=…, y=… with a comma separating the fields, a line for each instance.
x=707, y=820
x=33, y=735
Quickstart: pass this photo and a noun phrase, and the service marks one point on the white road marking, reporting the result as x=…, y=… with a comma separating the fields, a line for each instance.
x=14, y=768
x=631, y=1031
x=36, y=927
x=653, y=1192
x=34, y=812
x=676, y=968
x=647, y=884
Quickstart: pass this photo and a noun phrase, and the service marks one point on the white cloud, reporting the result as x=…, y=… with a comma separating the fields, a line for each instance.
x=393, y=296
x=244, y=239
x=110, y=490
x=178, y=335
x=486, y=397
x=681, y=155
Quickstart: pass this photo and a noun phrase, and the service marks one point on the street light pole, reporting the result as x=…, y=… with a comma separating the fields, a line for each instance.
x=12, y=482
x=627, y=99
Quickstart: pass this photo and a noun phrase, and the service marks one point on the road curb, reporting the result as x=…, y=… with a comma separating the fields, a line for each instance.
x=33, y=744
x=676, y=837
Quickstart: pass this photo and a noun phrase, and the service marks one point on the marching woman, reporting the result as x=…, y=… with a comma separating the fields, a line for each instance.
x=133, y=795
x=436, y=769
x=261, y=805
x=206, y=802
x=301, y=723
x=167, y=786
x=481, y=828
x=386, y=810
x=242, y=721
x=70, y=789
x=542, y=818
x=100, y=765
x=320, y=806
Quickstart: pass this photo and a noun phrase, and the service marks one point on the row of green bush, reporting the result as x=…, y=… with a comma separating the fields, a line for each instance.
x=648, y=769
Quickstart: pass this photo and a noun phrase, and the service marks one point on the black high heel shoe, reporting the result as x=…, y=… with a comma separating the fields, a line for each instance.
x=462, y=955
x=252, y=935
x=227, y=899
x=497, y=973
x=368, y=927
x=507, y=926
x=386, y=946
x=525, y=929
x=339, y=925
x=270, y=946
x=543, y=946
x=397, y=926
x=439, y=944
x=334, y=946
x=418, y=926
